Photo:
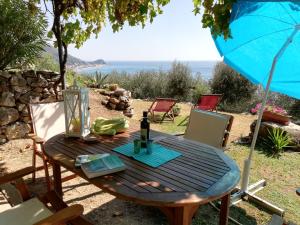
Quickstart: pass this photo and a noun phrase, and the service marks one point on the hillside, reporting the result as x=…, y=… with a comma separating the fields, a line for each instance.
x=73, y=61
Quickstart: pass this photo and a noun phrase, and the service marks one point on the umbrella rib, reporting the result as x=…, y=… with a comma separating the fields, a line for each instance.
x=287, y=12
x=254, y=39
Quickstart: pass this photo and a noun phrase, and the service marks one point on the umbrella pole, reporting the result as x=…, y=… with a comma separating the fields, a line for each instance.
x=247, y=162
x=245, y=188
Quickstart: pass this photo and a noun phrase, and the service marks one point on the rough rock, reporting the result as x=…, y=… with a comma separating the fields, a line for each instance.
x=38, y=89
x=7, y=99
x=41, y=82
x=20, y=106
x=29, y=97
x=3, y=86
x=3, y=139
x=17, y=130
x=30, y=73
x=119, y=92
x=114, y=101
x=5, y=74
x=25, y=111
x=21, y=89
x=17, y=80
x=8, y=115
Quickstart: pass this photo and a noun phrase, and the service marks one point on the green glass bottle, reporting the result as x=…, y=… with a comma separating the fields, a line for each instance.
x=145, y=129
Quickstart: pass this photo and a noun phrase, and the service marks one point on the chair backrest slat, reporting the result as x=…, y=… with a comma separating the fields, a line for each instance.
x=163, y=104
x=209, y=128
x=48, y=119
x=209, y=102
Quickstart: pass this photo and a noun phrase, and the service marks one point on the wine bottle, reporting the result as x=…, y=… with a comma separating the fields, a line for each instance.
x=145, y=128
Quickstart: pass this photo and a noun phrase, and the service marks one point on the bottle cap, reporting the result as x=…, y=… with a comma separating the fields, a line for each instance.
x=145, y=114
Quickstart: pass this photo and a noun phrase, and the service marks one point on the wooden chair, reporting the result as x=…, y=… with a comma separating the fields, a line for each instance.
x=209, y=128
x=163, y=105
x=48, y=119
x=36, y=210
x=208, y=102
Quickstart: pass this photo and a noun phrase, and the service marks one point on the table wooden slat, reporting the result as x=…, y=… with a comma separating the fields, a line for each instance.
x=188, y=179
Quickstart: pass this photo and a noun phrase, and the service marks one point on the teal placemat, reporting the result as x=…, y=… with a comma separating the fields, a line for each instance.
x=159, y=155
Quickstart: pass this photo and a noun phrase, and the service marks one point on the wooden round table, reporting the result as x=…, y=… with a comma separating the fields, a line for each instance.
x=200, y=175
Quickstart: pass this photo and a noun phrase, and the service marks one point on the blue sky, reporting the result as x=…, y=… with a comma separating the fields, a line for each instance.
x=177, y=34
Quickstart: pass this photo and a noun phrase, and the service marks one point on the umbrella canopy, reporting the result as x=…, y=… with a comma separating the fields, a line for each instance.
x=259, y=31
x=265, y=48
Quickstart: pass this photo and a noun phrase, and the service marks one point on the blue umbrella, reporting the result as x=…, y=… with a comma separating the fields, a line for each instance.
x=265, y=48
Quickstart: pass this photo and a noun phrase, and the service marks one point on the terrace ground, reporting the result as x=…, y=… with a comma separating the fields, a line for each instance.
x=102, y=208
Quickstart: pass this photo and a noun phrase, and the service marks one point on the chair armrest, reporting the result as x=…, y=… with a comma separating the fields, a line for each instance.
x=63, y=216
x=16, y=175
x=180, y=134
x=36, y=138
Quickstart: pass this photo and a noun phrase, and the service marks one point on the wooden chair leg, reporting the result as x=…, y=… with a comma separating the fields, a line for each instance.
x=45, y=162
x=163, y=117
x=34, y=160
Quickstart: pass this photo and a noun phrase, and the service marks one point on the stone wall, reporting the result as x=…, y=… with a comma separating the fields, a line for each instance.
x=17, y=90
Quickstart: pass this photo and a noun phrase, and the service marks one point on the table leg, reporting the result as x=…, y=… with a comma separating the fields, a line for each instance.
x=57, y=178
x=224, y=211
x=180, y=215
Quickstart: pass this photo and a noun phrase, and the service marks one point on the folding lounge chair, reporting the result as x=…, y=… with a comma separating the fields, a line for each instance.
x=48, y=120
x=30, y=211
x=163, y=105
x=208, y=102
x=209, y=128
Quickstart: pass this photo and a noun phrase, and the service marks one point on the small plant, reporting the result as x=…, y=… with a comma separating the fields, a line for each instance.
x=269, y=107
x=100, y=78
x=276, y=141
x=176, y=110
x=96, y=81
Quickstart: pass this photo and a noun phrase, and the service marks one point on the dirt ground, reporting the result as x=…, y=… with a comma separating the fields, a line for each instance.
x=102, y=208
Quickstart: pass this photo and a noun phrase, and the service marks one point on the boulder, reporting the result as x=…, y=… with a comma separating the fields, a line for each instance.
x=30, y=97
x=38, y=89
x=21, y=89
x=3, y=86
x=8, y=115
x=7, y=99
x=41, y=82
x=119, y=92
x=17, y=130
x=114, y=101
x=20, y=106
x=18, y=80
x=104, y=102
x=29, y=73
x=3, y=139
x=5, y=74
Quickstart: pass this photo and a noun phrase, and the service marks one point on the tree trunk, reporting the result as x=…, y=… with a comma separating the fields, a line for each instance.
x=62, y=47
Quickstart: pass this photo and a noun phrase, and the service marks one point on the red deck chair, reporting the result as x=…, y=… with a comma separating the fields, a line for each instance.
x=163, y=105
x=208, y=102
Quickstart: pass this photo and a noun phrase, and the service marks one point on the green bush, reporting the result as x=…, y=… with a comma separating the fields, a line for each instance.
x=237, y=91
x=179, y=82
x=200, y=87
x=22, y=33
x=176, y=83
x=276, y=142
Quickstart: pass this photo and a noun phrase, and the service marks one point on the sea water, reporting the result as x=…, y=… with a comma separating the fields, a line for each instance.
x=205, y=68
